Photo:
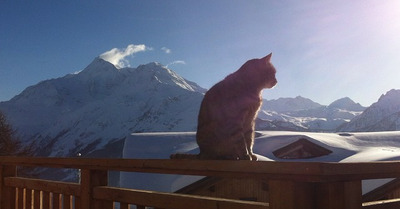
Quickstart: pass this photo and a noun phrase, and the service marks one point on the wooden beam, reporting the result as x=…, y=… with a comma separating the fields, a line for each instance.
x=28, y=198
x=56, y=201
x=36, y=199
x=305, y=195
x=302, y=171
x=307, y=185
x=89, y=180
x=171, y=200
x=20, y=198
x=7, y=194
x=383, y=204
x=333, y=195
x=290, y=195
x=221, y=168
x=86, y=190
x=46, y=200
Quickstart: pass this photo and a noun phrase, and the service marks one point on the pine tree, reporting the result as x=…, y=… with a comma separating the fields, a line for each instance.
x=9, y=145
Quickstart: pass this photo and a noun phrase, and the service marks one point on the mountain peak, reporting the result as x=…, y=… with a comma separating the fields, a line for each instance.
x=159, y=73
x=153, y=64
x=390, y=102
x=300, y=97
x=390, y=96
x=99, y=66
x=377, y=114
x=153, y=67
x=347, y=104
x=290, y=104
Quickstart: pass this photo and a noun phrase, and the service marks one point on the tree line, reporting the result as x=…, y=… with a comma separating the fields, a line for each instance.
x=10, y=145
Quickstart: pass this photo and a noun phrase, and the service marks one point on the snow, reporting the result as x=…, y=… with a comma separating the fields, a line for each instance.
x=345, y=147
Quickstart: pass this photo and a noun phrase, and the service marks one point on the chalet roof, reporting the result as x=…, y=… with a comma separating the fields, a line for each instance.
x=301, y=149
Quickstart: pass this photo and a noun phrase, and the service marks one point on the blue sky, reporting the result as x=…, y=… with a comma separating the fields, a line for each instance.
x=323, y=50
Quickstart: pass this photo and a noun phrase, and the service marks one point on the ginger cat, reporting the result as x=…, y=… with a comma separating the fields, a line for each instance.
x=226, y=120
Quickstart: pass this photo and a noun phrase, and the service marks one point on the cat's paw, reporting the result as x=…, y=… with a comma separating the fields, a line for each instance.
x=254, y=157
x=251, y=157
x=245, y=157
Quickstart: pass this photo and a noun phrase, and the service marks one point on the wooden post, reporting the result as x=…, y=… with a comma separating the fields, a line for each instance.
x=304, y=195
x=36, y=199
x=28, y=198
x=339, y=195
x=290, y=195
x=7, y=194
x=89, y=180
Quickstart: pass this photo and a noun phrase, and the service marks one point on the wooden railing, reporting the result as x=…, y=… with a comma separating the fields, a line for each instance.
x=291, y=184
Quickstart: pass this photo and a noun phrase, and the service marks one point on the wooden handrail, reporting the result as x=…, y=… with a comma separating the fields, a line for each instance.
x=306, y=171
x=291, y=184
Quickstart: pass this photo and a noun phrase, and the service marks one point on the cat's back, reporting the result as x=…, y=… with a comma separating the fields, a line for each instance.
x=228, y=88
x=220, y=96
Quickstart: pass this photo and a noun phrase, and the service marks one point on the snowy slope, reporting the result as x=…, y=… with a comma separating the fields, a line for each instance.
x=101, y=104
x=345, y=147
x=384, y=115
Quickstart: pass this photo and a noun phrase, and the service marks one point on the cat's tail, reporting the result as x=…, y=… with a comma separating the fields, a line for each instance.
x=181, y=156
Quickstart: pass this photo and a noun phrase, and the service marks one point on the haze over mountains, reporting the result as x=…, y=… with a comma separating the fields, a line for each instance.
x=302, y=114
x=83, y=112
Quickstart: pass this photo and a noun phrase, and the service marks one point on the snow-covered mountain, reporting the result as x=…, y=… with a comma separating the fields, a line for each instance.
x=346, y=104
x=302, y=114
x=384, y=115
x=82, y=112
x=92, y=109
x=283, y=105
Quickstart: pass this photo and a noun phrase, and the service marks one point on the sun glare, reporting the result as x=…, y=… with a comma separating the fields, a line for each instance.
x=387, y=17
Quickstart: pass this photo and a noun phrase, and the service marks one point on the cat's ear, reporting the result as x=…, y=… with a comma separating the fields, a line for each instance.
x=268, y=58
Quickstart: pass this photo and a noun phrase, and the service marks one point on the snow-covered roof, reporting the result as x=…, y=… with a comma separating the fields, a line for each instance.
x=345, y=147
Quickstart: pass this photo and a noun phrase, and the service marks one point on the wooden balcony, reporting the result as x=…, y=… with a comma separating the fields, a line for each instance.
x=291, y=184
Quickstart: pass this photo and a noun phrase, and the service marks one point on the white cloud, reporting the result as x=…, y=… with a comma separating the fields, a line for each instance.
x=177, y=62
x=166, y=50
x=118, y=56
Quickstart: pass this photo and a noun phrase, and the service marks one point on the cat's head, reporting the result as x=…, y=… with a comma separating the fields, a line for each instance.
x=271, y=80
x=260, y=72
